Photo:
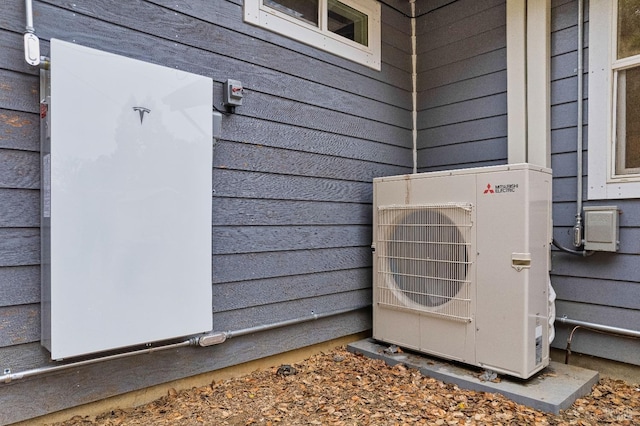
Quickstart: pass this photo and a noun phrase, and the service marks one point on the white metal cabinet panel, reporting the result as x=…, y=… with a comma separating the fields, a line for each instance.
x=127, y=205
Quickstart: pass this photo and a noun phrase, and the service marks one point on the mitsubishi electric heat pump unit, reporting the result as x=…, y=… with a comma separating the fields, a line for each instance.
x=461, y=265
x=126, y=202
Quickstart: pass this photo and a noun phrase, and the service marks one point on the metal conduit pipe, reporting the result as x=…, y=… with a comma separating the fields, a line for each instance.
x=414, y=87
x=28, y=7
x=312, y=317
x=599, y=327
x=577, y=228
x=31, y=41
x=9, y=377
x=583, y=253
x=203, y=341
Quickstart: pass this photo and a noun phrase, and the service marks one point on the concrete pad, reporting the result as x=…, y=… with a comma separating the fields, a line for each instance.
x=553, y=389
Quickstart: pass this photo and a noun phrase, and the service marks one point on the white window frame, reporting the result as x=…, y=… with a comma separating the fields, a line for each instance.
x=603, y=182
x=256, y=13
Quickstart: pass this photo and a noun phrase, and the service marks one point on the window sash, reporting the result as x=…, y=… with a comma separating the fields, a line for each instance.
x=323, y=15
x=627, y=28
x=296, y=12
x=619, y=142
x=627, y=132
x=358, y=21
x=602, y=181
x=256, y=12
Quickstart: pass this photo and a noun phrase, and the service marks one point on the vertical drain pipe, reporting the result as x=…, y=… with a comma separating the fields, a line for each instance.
x=31, y=42
x=577, y=228
x=414, y=87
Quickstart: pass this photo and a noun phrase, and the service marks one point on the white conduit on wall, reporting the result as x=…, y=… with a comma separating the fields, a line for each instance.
x=206, y=340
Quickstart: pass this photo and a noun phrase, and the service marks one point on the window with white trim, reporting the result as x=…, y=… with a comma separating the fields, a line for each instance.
x=614, y=99
x=347, y=28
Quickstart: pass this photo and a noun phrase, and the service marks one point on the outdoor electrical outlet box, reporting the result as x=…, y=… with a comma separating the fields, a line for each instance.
x=126, y=202
x=233, y=93
x=601, y=228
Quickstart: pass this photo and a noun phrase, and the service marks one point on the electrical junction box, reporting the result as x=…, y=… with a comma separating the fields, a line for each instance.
x=233, y=93
x=601, y=229
x=126, y=202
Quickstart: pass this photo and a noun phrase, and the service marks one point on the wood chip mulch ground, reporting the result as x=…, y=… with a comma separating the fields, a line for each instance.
x=340, y=388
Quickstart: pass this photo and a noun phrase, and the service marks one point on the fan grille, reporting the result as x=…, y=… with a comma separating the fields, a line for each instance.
x=423, y=258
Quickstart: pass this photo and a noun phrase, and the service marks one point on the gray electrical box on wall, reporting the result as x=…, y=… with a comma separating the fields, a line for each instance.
x=601, y=228
x=233, y=93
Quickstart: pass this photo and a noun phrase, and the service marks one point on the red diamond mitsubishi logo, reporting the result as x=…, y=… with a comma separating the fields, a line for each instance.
x=489, y=190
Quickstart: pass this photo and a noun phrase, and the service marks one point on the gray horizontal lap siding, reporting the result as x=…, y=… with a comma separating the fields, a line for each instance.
x=292, y=180
x=462, y=122
x=462, y=84
x=603, y=288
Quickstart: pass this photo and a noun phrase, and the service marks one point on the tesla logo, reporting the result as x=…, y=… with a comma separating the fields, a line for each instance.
x=489, y=190
x=141, y=110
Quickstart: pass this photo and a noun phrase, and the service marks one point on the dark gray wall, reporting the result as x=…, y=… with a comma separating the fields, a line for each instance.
x=292, y=179
x=603, y=288
x=462, y=83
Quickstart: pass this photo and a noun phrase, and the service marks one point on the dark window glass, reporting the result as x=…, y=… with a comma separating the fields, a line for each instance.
x=628, y=129
x=347, y=22
x=628, y=28
x=305, y=10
